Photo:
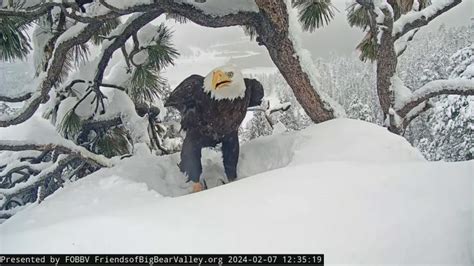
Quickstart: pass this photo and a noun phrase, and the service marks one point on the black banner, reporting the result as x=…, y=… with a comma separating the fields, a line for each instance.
x=215, y=259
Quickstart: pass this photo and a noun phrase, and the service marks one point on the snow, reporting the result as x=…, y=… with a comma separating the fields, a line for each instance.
x=71, y=33
x=345, y=188
x=7, y=116
x=47, y=171
x=148, y=34
x=463, y=63
x=40, y=39
x=129, y=3
x=469, y=72
x=39, y=131
x=425, y=14
x=307, y=64
x=416, y=5
x=218, y=8
x=121, y=104
x=117, y=103
x=401, y=92
x=458, y=84
x=141, y=57
x=402, y=43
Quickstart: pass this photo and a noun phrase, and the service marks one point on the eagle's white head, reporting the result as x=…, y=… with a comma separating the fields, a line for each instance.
x=225, y=82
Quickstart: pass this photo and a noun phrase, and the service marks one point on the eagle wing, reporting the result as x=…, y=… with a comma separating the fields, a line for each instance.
x=184, y=96
x=256, y=91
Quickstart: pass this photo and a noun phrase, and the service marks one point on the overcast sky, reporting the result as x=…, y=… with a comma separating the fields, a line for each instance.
x=202, y=48
x=205, y=48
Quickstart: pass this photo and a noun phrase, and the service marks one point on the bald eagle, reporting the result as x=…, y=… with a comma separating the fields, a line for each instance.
x=212, y=109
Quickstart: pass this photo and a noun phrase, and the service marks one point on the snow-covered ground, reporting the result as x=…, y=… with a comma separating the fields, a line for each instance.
x=345, y=188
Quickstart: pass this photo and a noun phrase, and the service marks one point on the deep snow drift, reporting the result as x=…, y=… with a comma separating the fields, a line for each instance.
x=345, y=188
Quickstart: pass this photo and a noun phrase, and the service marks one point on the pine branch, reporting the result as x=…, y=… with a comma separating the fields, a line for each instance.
x=314, y=14
x=120, y=40
x=101, y=124
x=52, y=74
x=14, y=40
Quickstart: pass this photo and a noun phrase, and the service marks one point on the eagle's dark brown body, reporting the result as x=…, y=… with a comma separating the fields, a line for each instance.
x=212, y=118
x=208, y=122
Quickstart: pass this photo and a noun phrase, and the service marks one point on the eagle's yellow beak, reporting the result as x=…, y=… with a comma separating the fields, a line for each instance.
x=220, y=78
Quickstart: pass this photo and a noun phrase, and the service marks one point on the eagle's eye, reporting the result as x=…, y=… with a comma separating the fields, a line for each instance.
x=230, y=74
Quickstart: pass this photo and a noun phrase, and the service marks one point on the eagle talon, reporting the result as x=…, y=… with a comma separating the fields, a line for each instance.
x=212, y=109
x=197, y=187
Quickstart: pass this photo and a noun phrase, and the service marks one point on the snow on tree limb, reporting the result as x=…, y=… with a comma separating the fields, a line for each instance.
x=49, y=78
x=53, y=170
x=417, y=19
x=65, y=147
x=218, y=8
x=435, y=88
x=5, y=214
x=402, y=45
x=32, y=13
x=307, y=63
x=273, y=33
x=11, y=168
x=201, y=18
x=122, y=34
x=15, y=99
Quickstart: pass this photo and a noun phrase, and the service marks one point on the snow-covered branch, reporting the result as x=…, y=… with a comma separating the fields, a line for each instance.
x=32, y=166
x=72, y=37
x=268, y=18
x=31, y=13
x=209, y=19
x=122, y=35
x=15, y=99
x=54, y=170
x=66, y=147
x=433, y=89
x=417, y=19
x=402, y=45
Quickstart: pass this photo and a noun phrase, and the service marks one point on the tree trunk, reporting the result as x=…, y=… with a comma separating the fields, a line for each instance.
x=273, y=34
x=386, y=69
